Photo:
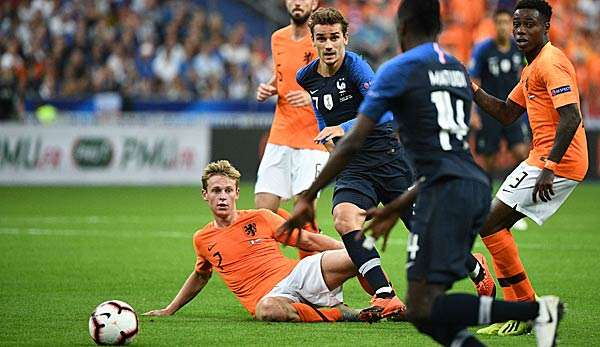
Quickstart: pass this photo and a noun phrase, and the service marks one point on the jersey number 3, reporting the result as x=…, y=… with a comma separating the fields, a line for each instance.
x=450, y=122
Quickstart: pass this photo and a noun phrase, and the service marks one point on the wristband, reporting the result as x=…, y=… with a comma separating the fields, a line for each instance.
x=475, y=87
x=550, y=165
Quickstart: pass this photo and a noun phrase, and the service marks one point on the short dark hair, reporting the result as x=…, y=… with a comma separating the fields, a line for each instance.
x=327, y=16
x=542, y=6
x=422, y=16
x=502, y=10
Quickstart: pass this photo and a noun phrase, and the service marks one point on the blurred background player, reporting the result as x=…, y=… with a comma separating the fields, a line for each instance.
x=291, y=159
x=428, y=92
x=558, y=160
x=496, y=65
x=337, y=82
x=243, y=247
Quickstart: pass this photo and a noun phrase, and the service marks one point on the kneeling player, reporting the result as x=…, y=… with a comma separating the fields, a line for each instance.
x=243, y=247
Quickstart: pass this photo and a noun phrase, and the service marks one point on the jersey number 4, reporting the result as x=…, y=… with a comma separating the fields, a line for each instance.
x=450, y=122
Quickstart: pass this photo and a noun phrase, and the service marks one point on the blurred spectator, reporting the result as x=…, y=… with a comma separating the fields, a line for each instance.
x=182, y=51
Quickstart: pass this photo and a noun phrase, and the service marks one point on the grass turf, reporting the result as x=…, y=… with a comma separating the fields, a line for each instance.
x=66, y=249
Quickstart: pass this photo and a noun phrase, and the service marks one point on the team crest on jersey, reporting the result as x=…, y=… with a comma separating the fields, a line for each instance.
x=328, y=101
x=250, y=229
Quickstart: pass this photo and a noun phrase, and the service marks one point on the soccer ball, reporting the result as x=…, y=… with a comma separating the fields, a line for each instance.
x=113, y=322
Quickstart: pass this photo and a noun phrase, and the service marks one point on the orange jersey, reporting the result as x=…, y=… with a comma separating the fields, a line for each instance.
x=246, y=254
x=548, y=83
x=294, y=127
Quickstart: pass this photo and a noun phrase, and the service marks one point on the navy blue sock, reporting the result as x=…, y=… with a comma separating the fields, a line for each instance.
x=470, y=310
x=449, y=335
x=368, y=264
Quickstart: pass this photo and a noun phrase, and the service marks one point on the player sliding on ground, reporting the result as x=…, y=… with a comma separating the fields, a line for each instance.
x=243, y=247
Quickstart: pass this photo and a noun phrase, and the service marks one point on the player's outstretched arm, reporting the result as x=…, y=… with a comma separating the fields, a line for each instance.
x=506, y=112
x=319, y=243
x=192, y=286
x=569, y=121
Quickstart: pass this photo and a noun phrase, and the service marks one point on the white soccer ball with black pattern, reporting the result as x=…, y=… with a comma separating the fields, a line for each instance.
x=113, y=322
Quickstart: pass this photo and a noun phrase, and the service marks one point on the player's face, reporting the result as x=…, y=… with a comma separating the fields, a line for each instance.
x=529, y=29
x=503, y=23
x=330, y=42
x=300, y=10
x=221, y=194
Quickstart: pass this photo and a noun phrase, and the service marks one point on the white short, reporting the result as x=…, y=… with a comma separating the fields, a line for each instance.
x=306, y=284
x=286, y=171
x=516, y=191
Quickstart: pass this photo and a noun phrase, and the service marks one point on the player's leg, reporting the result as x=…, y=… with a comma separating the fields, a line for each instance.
x=480, y=274
x=451, y=211
x=312, y=292
x=517, y=135
x=487, y=142
x=306, y=166
x=273, y=181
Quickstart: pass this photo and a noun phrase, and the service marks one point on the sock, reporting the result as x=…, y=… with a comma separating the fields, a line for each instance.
x=470, y=310
x=301, y=253
x=508, y=266
x=476, y=271
x=449, y=335
x=368, y=264
x=310, y=314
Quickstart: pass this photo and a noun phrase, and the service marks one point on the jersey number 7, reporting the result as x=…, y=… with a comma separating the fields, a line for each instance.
x=450, y=122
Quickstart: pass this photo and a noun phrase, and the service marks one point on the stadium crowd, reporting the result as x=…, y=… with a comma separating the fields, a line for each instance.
x=177, y=50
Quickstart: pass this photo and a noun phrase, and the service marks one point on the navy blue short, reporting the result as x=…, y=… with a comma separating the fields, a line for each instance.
x=488, y=138
x=367, y=188
x=447, y=217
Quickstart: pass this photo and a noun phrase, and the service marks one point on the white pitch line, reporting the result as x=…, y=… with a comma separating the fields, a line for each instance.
x=135, y=219
x=95, y=232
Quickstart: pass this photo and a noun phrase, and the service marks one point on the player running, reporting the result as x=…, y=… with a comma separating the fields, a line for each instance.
x=558, y=160
x=291, y=160
x=243, y=247
x=428, y=92
x=337, y=82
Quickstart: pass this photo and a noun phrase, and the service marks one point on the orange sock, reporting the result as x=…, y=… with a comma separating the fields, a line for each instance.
x=286, y=215
x=508, y=266
x=309, y=314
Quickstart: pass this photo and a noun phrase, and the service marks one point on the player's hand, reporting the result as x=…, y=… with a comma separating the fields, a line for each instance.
x=304, y=212
x=543, y=186
x=298, y=98
x=328, y=134
x=265, y=91
x=157, y=313
x=381, y=224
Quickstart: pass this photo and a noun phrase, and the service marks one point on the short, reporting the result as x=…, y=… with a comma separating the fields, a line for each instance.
x=517, y=189
x=305, y=284
x=286, y=171
x=487, y=139
x=368, y=188
x=448, y=214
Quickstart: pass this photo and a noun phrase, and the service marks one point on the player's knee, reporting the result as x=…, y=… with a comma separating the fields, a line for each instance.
x=344, y=223
x=269, y=309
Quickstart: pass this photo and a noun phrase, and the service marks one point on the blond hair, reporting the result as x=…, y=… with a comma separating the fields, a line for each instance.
x=221, y=167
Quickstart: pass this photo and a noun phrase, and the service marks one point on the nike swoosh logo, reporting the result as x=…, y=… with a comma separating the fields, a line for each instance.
x=313, y=91
x=409, y=264
x=531, y=97
x=210, y=247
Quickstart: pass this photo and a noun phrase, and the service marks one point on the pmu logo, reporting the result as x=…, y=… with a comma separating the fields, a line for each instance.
x=250, y=229
x=92, y=152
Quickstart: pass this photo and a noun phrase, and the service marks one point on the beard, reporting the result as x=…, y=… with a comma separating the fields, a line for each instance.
x=300, y=20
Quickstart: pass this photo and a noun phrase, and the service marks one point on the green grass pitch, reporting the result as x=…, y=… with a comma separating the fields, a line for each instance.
x=66, y=249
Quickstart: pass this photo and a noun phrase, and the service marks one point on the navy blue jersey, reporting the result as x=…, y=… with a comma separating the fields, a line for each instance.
x=429, y=93
x=336, y=99
x=498, y=71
